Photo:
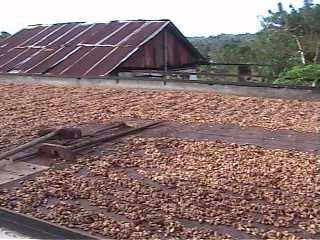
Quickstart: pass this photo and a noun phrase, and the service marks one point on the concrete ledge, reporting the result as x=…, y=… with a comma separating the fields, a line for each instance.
x=231, y=88
x=36, y=228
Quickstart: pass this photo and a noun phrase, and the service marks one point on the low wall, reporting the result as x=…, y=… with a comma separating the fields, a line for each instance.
x=243, y=89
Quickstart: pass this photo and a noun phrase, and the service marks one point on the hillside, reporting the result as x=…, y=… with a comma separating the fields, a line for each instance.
x=208, y=46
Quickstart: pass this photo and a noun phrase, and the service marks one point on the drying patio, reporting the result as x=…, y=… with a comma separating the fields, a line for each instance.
x=218, y=167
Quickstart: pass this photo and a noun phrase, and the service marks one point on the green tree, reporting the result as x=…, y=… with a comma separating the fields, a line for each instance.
x=4, y=35
x=302, y=25
x=275, y=48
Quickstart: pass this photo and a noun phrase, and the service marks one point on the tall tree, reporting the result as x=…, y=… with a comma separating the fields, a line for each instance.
x=302, y=24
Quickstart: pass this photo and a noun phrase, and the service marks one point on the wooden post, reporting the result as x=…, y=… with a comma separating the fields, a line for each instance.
x=244, y=72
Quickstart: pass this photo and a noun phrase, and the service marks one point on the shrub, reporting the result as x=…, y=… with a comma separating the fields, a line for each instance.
x=300, y=76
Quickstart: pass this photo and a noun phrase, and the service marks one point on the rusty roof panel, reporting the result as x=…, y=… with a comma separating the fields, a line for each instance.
x=52, y=60
x=29, y=53
x=68, y=62
x=127, y=29
x=89, y=32
x=110, y=61
x=20, y=37
x=88, y=60
x=104, y=33
x=40, y=35
x=40, y=56
x=76, y=48
x=145, y=33
x=10, y=55
x=56, y=34
x=68, y=36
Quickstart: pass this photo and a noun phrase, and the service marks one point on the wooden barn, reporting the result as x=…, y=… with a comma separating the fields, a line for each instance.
x=97, y=50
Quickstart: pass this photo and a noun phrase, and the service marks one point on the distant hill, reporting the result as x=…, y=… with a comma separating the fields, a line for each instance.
x=208, y=46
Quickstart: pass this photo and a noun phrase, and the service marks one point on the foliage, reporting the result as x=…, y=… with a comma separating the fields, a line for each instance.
x=4, y=35
x=211, y=46
x=276, y=49
x=290, y=37
x=302, y=25
x=300, y=75
x=261, y=48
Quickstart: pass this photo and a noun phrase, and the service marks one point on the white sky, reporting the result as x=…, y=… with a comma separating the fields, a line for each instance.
x=192, y=17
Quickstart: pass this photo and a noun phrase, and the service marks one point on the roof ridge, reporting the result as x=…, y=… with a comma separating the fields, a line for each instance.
x=51, y=24
x=82, y=22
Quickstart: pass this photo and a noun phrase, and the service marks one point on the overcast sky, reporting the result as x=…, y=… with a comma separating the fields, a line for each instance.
x=192, y=17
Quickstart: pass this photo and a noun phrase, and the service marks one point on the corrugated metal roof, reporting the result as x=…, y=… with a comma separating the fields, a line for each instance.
x=75, y=49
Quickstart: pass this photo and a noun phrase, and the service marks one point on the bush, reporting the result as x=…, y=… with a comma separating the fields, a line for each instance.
x=300, y=76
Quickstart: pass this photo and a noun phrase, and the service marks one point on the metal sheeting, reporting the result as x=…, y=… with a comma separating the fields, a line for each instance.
x=10, y=55
x=41, y=55
x=112, y=60
x=53, y=60
x=19, y=38
x=75, y=49
x=88, y=60
x=20, y=59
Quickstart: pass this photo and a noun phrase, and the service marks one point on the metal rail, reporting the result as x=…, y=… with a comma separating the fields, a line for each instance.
x=210, y=81
x=208, y=74
x=241, y=64
x=174, y=73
